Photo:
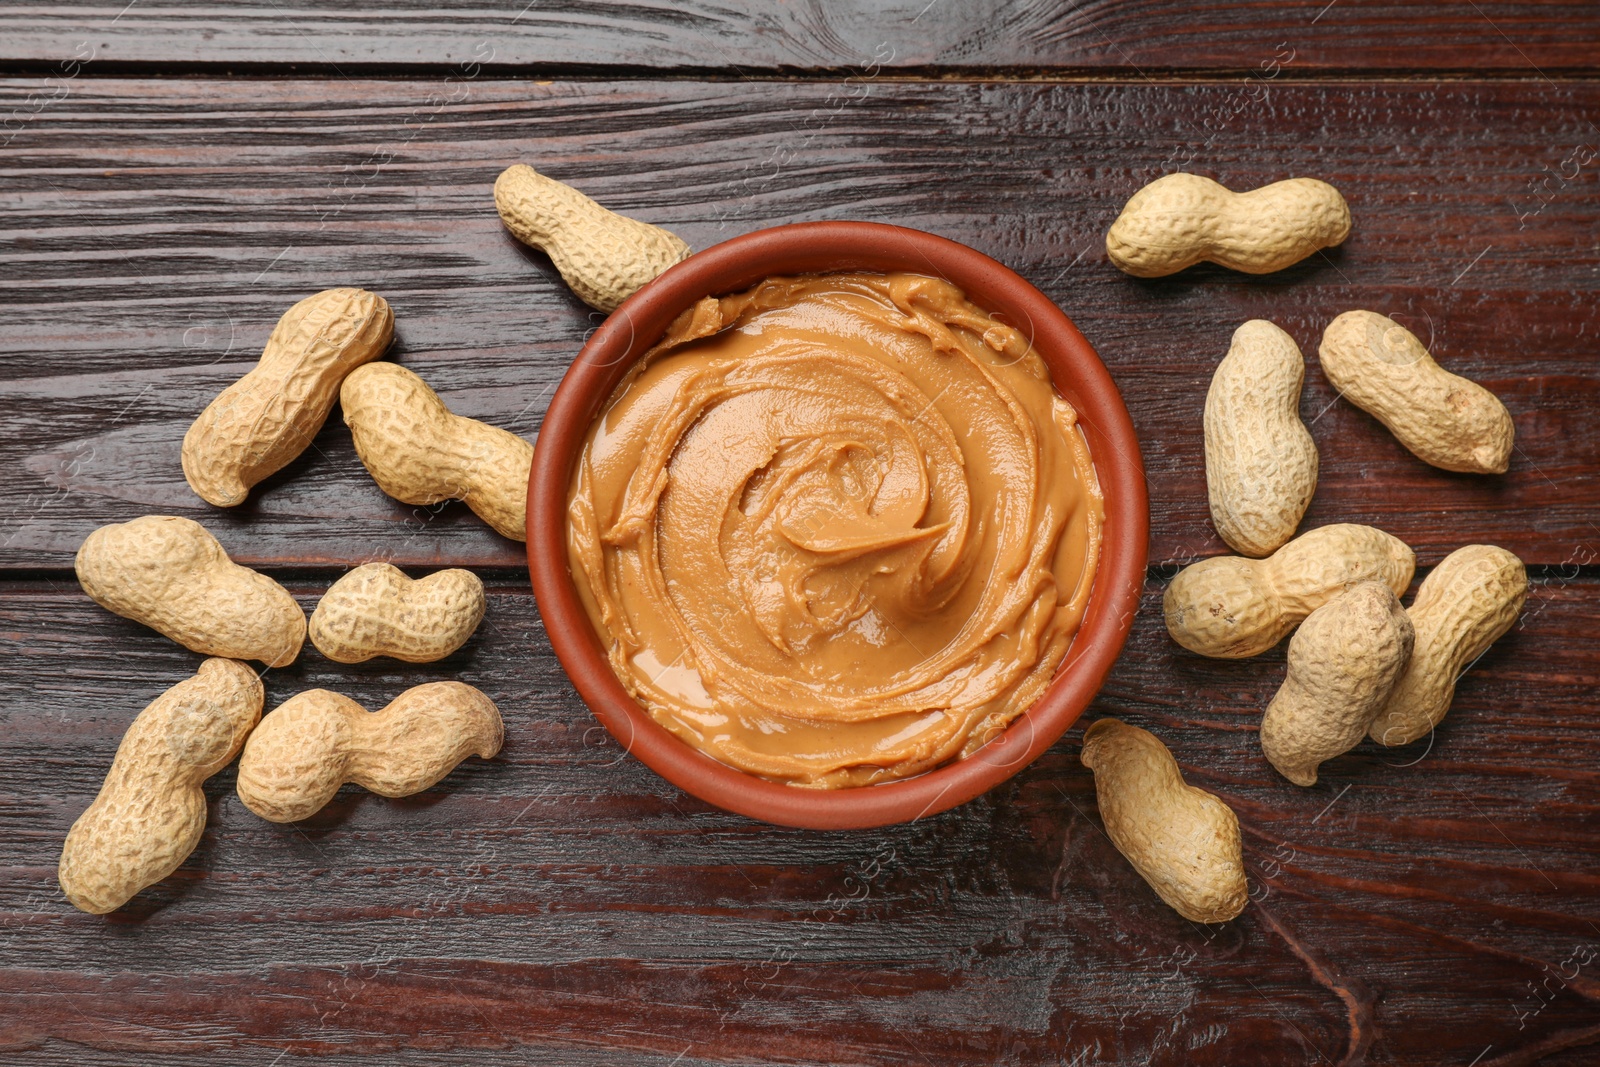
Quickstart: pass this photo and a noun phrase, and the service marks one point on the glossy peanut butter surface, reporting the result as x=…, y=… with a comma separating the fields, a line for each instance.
x=836, y=529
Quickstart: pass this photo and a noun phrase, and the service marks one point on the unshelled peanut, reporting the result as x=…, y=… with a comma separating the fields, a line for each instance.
x=1230, y=607
x=420, y=453
x=603, y=257
x=1465, y=605
x=376, y=610
x=171, y=575
x=259, y=424
x=1183, y=219
x=151, y=810
x=315, y=742
x=1444, y=419
x=1261, y=463
x=1182, y=840
x=1344, y=661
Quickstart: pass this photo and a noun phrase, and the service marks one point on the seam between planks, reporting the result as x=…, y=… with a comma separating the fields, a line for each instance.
x=160, y=71
x=50, y=579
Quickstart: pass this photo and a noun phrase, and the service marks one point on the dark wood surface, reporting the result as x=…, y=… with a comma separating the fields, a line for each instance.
x=145, y=274
x=742, y=38
x=560, y=905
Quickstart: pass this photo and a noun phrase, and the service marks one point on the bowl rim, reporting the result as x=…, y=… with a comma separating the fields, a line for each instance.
x=819, y=247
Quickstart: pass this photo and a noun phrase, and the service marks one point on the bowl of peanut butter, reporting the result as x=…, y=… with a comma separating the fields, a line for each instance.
x=837, y=524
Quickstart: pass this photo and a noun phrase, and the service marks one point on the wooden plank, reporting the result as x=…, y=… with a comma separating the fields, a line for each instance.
x=746, y=37
x=144, y=275
x=561, y=905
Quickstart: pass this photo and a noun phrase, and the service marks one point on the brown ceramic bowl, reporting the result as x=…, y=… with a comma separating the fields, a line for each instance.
x=818, y=247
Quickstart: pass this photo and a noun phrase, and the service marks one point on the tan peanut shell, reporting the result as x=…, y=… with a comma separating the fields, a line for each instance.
x=1343, y=663
x=172, y=575
x=259, y=424
x=315, y=742
x=151, y=810
x=1465, y=605
x=602, y=256
x=1261, y=464
x=376, y=610
x=1182, y=840
x=1182, y=219
x=419, y=453
x=1444, y=419
x=1230, y=607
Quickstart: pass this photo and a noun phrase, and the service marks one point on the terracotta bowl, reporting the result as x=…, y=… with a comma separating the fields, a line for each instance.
x=816, y=247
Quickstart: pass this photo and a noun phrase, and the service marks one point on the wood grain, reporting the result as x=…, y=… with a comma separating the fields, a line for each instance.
x=144, y=275
x=561, y=905
x=736, y=38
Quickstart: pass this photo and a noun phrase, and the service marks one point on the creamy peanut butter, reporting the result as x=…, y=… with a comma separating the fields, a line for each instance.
x=837, y=529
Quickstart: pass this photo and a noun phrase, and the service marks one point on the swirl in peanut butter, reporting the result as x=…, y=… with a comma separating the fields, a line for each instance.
x=836, y=530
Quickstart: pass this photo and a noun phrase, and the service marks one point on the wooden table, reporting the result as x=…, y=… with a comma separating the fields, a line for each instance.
x=174, y=175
